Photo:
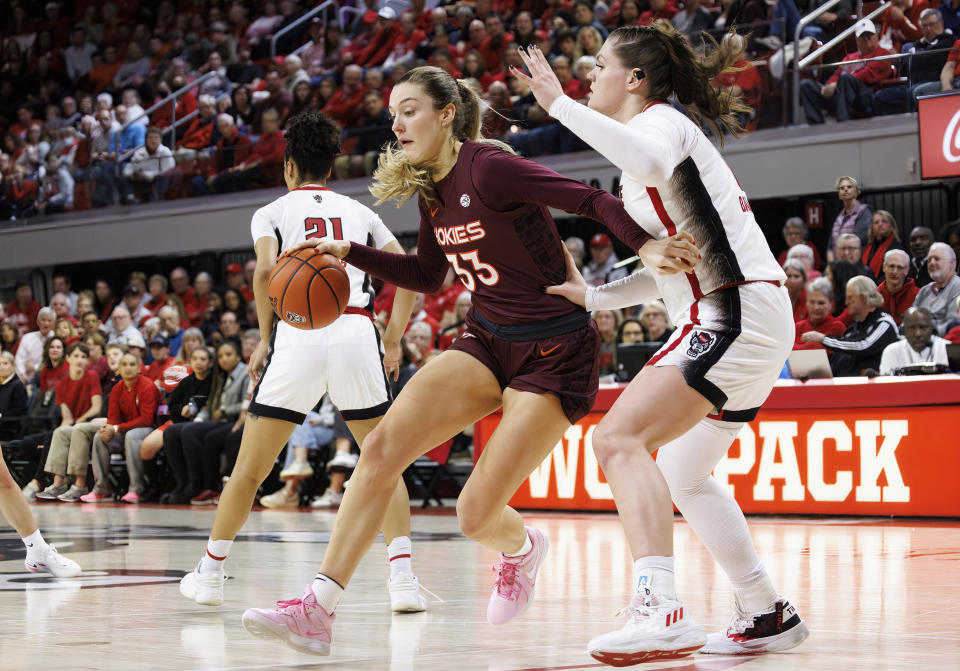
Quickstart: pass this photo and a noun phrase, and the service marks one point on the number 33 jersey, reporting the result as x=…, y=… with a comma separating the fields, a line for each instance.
x=318, y=212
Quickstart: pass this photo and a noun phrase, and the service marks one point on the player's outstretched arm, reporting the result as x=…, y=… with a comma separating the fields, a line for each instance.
x=424, y=272
x=645, y=157
x=635, y=289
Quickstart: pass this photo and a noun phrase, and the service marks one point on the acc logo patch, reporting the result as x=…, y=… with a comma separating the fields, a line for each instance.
x=464, y=200
x=700, y=342
x=294, y=318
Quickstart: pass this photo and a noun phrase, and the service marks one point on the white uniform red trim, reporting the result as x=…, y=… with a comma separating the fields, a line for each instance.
x=345, y=358
x=734, y=322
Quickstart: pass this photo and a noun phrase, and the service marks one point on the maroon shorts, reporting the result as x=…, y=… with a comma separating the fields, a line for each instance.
x=564, y=365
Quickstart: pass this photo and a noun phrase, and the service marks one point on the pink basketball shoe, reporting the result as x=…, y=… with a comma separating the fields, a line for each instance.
x=516, y=578
x=302, y=624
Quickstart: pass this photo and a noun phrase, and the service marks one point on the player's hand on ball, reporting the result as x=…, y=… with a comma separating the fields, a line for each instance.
x=392, y=354
x=676, y=254
x=575, y=288
x=257, y=361
x=338, y=248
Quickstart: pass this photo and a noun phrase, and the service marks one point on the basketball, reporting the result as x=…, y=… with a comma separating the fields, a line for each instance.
x=309, y=290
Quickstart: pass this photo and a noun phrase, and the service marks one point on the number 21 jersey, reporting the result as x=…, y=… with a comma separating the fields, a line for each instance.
x=317, y=212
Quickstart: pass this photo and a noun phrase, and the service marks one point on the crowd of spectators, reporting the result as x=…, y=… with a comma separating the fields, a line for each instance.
x=159, y=368
x=879, y=279
x=77, y=78
x=928, y=34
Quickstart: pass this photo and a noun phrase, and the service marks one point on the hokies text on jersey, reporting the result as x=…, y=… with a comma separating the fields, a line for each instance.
x=458, y=235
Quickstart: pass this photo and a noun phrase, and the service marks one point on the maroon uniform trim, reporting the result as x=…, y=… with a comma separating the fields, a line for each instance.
x=492, y=224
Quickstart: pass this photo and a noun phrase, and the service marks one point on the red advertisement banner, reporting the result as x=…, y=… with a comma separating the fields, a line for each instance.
x=939, y=127
x=851, y=461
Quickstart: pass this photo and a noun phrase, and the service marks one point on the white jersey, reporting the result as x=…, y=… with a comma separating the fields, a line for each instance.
x=317, y=212
x=675, y=180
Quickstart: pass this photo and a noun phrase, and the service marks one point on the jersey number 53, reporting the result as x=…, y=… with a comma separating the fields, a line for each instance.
x=486, y=273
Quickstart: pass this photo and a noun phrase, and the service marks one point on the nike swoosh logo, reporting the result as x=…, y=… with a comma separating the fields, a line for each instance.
x=434, y=211
x=542, y=353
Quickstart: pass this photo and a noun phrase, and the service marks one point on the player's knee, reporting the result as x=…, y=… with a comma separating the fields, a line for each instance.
x=607, y=444
x=376, y=462
x=246, y=478
x=474, y=518
x=7, y=482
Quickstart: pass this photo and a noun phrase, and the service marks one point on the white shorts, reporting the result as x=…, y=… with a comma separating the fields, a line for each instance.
x=344, y=359
x=732, y=347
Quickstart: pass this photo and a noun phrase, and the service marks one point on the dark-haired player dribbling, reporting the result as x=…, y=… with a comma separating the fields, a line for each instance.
x=292, y=369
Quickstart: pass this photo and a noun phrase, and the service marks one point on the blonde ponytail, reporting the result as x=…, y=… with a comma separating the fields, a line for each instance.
x=396, y=178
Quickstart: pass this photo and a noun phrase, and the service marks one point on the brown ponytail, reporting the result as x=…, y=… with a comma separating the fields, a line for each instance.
x=398, y=179
x=673, y=68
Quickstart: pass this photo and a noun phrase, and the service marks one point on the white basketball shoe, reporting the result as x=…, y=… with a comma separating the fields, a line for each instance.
x=657, y=628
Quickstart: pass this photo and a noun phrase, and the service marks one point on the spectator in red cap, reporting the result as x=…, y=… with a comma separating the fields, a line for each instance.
x=385, y=38
x=600, y=269
x=237, y=281
x=852, y=86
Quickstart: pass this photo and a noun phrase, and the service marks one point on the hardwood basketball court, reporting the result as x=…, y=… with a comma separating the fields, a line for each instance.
x=877, y=594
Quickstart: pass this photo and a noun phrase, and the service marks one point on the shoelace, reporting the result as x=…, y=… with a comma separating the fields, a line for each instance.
x=433, y=594
x=739, y=623
x=507, y=584
x=291, y=604
x=638, y=612
x=421, y=588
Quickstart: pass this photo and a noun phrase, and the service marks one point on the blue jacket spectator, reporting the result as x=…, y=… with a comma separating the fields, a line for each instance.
x=127, y=138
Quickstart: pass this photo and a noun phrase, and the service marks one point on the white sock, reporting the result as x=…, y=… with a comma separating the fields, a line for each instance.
x=35, y=544
x=655, y=573
x=527, y=546
x=216, y=554
x=758, y=595
x=711, y=511
x=398, y=553
x=327, y=592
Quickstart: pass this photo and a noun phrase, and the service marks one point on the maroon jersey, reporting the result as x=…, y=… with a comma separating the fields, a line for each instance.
x=492, y=224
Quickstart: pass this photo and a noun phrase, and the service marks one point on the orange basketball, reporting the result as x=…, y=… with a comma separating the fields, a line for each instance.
x=309, y=290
